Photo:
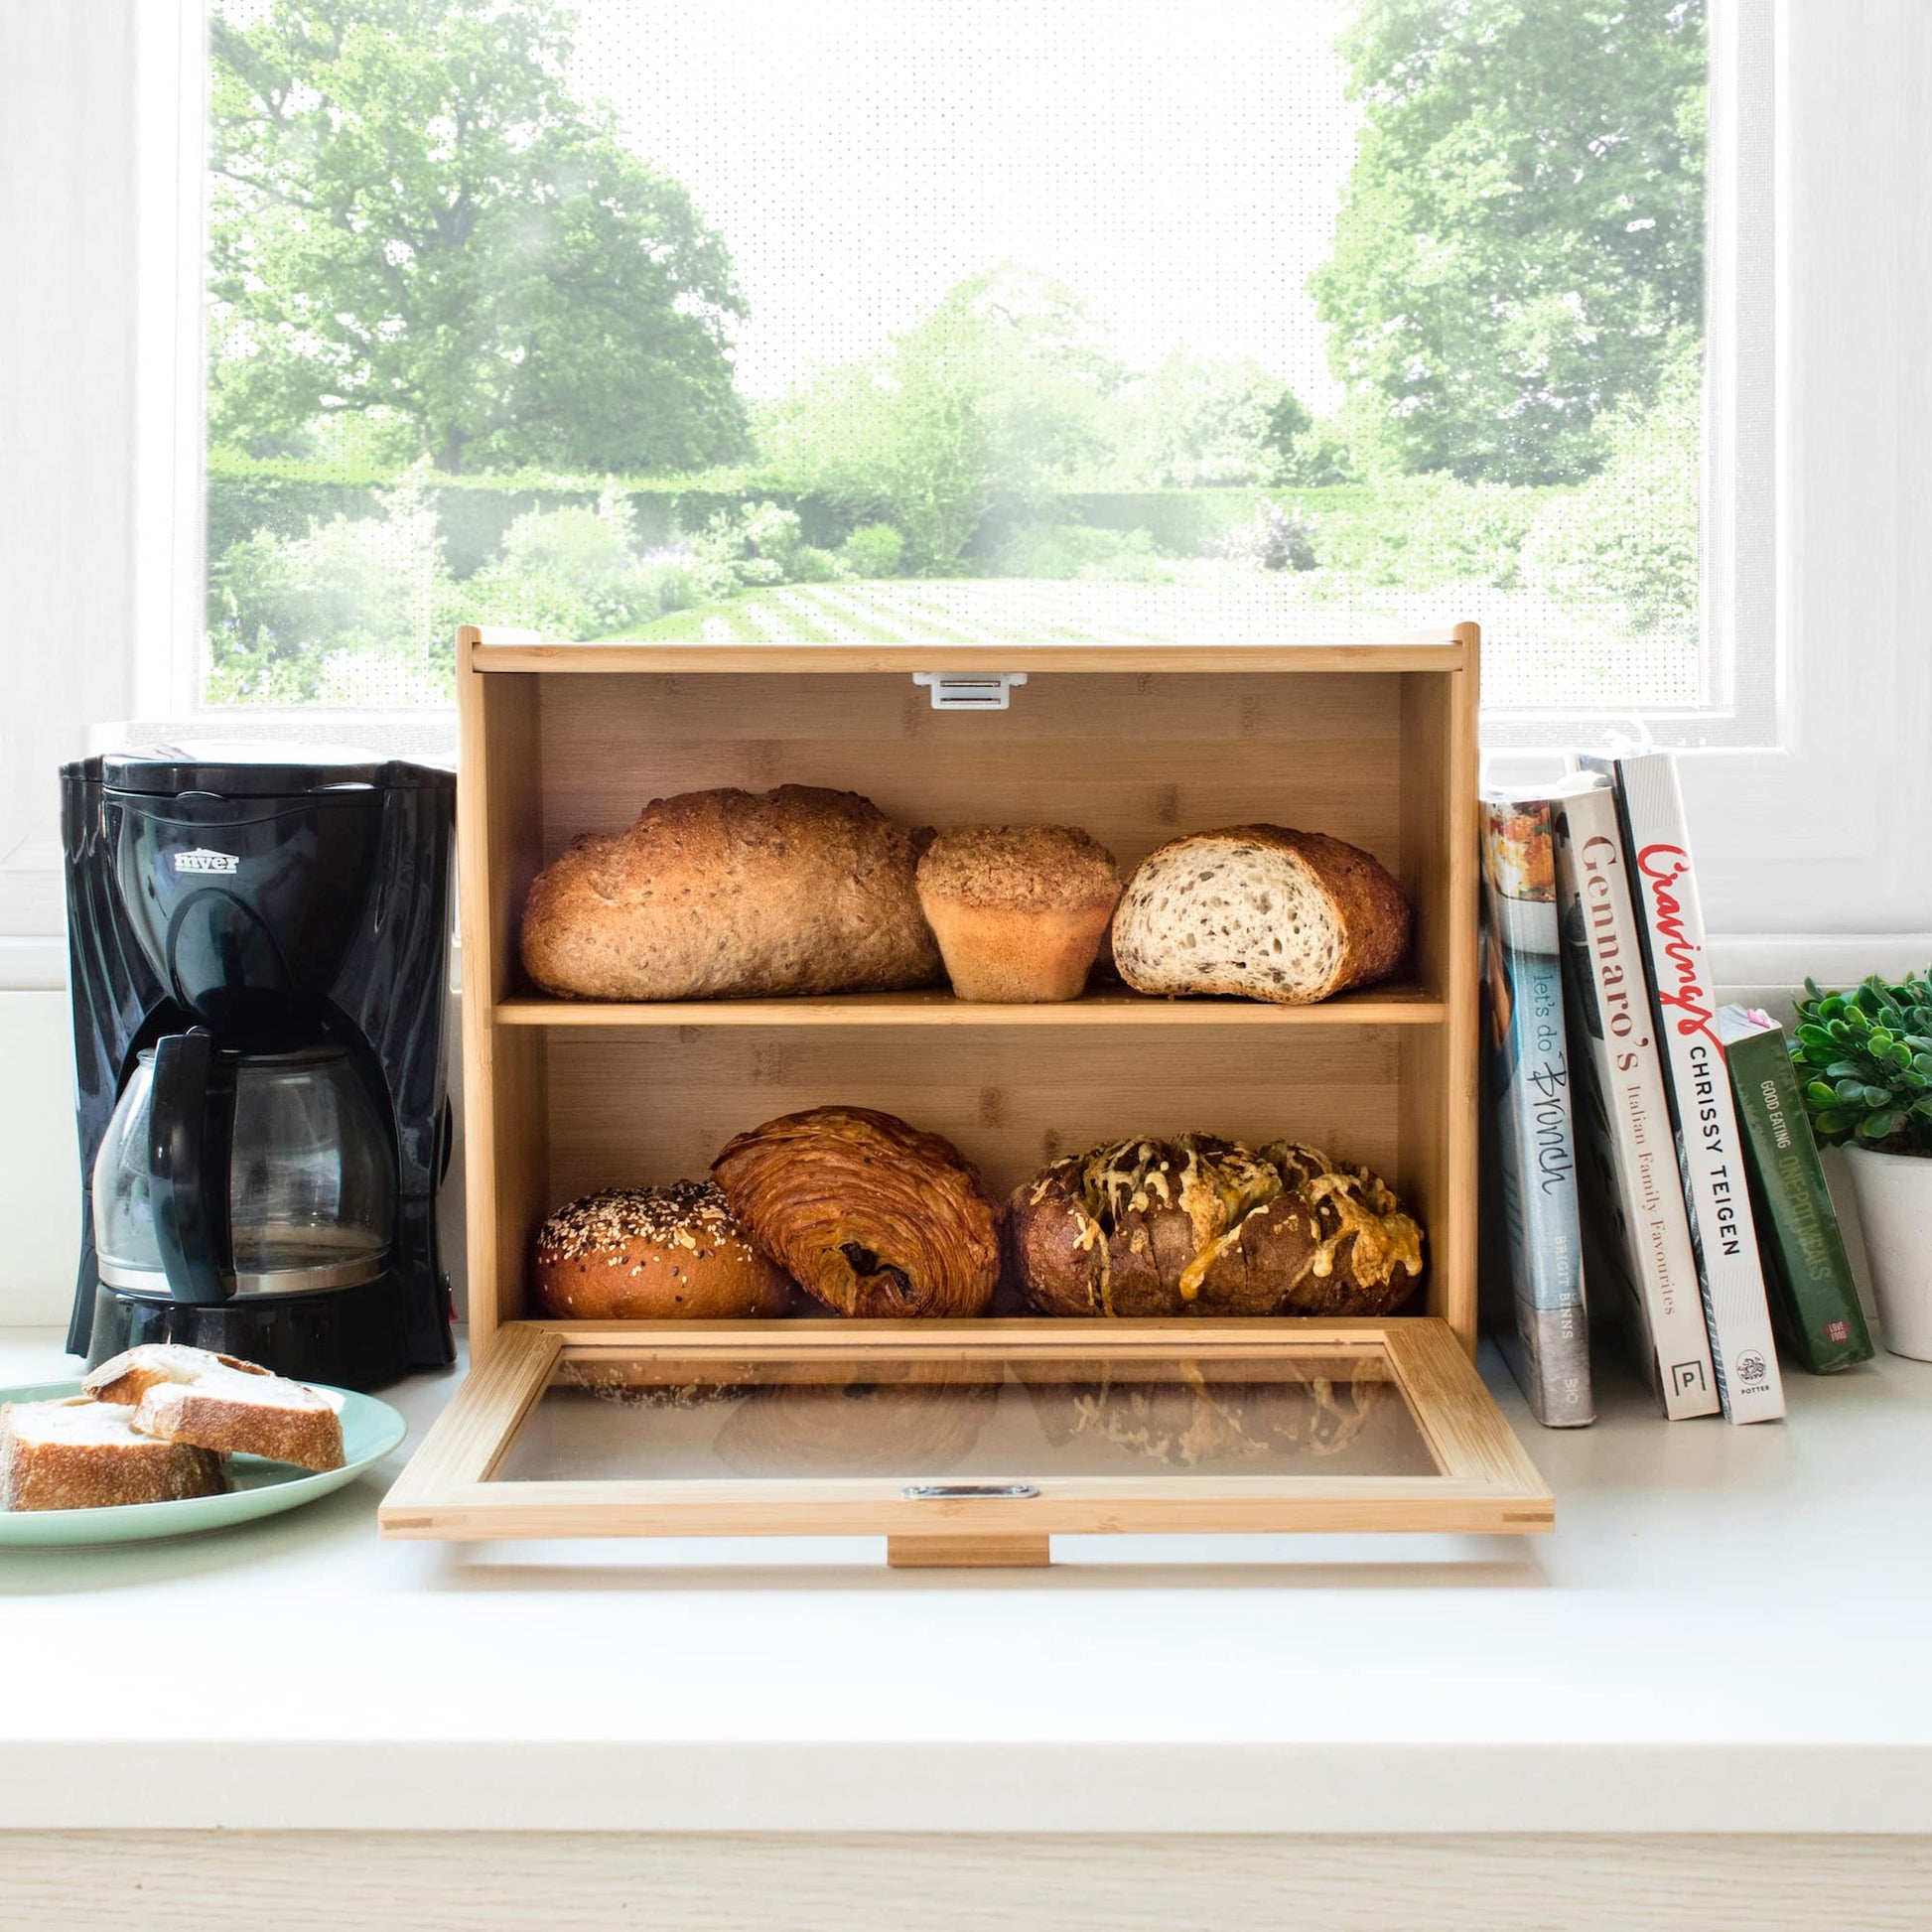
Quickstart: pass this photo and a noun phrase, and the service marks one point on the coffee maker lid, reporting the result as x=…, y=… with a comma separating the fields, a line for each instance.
x=259, y=769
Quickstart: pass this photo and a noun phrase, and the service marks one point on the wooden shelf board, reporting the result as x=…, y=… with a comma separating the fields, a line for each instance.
x=1381, y=1005
x=1428, y=652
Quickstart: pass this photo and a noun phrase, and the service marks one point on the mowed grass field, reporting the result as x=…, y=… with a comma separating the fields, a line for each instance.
x=1003, y=610
x=1533, y=654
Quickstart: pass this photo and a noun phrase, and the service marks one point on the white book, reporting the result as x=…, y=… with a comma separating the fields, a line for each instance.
x=1636, y=1232
x=1710, y=1148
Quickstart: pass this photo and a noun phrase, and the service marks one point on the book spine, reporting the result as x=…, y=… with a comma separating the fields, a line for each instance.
x=1642, y=1233
x=1546, y=1337
x=1810, y=1280
x=1723, y=1234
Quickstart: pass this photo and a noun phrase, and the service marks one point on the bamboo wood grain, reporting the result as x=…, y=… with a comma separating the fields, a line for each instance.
x=1022, y=1337
x=1442, y=652
x=500, y=837
x=1094, y=1507
x=1381, y=1005
x=635, y=1108
x=1135, y=760
x=474, y=1434
x=1376, y=743
x=968, y=1552
x=1459, y=1421
x=1487, y=1483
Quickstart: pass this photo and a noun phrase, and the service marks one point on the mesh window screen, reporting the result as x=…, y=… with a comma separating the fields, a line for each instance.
x=711, y=319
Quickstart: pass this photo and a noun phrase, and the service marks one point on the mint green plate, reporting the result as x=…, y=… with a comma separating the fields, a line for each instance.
x=370, y=1430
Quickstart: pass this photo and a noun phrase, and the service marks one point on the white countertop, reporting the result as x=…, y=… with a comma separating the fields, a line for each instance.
x=1730, y=1630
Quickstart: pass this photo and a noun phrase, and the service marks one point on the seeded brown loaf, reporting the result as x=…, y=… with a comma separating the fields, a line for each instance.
x=1019, y=910
x=1198, y=1225
x=1260, y=910
x=648, y=1254
x=872, y=1217
x=721, y=893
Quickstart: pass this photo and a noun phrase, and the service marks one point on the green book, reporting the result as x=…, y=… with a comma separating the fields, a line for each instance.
x=1812, y=1298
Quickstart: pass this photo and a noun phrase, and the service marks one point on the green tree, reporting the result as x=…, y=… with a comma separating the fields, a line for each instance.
x=410, y=216
x=1194, y=422
x=1523, y=230
x=998, y=395
x=1623, y=549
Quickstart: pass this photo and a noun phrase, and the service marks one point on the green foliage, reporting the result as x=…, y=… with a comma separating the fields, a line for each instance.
x=1624, y=547
x=997, y=394
x=1276, y=539
x=1070, y=552
x=575, y=572
x=1320, y=456
x=1197, y=423
x=1523, y=230
x=1422, y=532
x=412, y=219
x=874, y=550
x=355, y=610
x=761, y=544
x=1864, y=1061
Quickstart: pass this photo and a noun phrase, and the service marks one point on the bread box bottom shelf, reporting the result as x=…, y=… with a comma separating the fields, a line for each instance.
x=970, y=1442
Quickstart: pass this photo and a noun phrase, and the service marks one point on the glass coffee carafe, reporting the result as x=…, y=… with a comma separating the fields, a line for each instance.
x=228, y=1174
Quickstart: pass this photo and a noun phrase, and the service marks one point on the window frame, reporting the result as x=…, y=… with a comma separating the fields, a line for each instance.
x=1805, y=815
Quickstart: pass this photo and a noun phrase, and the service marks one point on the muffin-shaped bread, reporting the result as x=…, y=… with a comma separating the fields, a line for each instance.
x=872, y=1216
x=1197, y=1225
x=1019, y=910
x=649, y=1254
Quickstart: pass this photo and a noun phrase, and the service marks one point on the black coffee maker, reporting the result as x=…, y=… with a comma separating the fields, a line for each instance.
x=259, y=946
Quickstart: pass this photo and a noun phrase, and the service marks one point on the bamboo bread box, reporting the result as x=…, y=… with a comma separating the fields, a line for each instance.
x=1173, y=1425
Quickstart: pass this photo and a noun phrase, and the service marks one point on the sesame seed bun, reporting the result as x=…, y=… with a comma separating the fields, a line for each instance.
x=653, y=1254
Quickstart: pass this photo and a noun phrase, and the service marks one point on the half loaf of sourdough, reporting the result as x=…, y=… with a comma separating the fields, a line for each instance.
x=718, y=893
x=1260, y=910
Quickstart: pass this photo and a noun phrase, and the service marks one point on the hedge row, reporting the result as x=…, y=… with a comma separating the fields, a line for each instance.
x=473, y=512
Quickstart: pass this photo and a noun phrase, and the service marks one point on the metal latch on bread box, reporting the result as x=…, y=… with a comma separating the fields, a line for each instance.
x=969, y=690
x=967, y=1493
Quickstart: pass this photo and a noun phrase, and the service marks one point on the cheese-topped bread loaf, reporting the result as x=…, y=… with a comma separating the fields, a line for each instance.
x=75, y=1453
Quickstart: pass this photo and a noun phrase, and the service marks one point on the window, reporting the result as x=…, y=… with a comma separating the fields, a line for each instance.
x=717, y=319
x=1814, y=676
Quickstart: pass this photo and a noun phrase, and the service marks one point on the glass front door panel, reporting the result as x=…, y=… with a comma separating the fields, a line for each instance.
x=990, y=1421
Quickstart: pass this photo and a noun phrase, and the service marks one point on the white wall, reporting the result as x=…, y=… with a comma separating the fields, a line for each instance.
x=39, y=1162
x=68, y=260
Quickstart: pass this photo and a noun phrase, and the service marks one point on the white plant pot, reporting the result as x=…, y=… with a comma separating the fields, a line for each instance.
x=1894, y=1194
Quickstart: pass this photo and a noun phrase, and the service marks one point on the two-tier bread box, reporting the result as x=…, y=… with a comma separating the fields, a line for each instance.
x=970, y=1441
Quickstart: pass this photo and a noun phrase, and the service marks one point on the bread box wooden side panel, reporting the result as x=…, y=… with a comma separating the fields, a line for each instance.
x=1377, y=745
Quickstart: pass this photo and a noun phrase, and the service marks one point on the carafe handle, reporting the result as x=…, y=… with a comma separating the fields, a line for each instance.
x=187, y=1214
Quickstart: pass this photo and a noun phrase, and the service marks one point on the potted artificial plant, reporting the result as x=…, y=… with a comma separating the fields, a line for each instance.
x=1864, y=1063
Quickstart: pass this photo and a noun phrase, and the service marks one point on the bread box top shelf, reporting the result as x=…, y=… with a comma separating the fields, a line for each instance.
x=511, y=650
x=1380, y=1005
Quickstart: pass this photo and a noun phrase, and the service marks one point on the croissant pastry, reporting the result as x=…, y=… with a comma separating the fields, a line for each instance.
x=871, y=1216
x=1198, y=1225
